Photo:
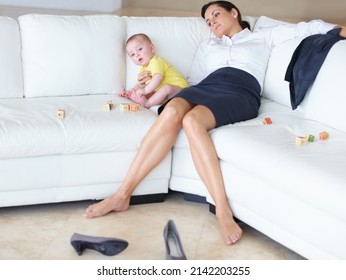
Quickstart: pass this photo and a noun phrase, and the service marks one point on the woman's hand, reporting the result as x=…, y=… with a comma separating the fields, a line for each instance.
x=343, y=31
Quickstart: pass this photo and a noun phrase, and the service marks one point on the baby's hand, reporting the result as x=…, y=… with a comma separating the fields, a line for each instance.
x=144, y=78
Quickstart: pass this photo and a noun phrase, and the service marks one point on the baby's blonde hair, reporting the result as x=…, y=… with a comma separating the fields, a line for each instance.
x=139, y=36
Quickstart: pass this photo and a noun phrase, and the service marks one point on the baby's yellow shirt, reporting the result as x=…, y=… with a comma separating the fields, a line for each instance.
x=171, y=76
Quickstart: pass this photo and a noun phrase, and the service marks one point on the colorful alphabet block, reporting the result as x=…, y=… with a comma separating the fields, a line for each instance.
x=267, y=121
x=324, y=136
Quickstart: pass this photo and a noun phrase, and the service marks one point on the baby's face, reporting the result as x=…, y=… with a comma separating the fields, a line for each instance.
x=140, y=51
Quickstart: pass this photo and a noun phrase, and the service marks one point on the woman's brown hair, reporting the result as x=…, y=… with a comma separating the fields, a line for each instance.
x=228, y=6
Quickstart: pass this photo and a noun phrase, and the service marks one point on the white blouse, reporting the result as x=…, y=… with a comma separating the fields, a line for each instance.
x=248, y=51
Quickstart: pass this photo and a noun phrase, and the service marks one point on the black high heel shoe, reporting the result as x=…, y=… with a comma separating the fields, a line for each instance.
x=108, y=246
x=174, y=247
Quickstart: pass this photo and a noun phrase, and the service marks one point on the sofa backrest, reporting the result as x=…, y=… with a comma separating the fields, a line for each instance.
x=275, y=87
x=72, y=55
x=76, y=55
x=11, y=77
x=326, y=98
x=326, y=101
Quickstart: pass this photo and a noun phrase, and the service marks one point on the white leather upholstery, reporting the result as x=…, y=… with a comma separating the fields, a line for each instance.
x=11, y=77
x=72, y=55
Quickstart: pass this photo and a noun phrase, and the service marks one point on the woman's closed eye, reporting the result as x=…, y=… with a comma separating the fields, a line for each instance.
x=214, y=15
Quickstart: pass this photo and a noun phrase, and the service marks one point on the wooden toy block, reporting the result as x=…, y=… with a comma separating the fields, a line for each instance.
x=310, y=138
x=324, y=136
x=145, y=80
x=124, y=107
x=60, y=114
x=107, y=107
x=300, y=140
x=111, y=104
x=267, y=121
x=133, y=107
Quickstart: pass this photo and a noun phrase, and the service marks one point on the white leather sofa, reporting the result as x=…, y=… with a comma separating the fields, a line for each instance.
x=76, y=64
x=293, y=194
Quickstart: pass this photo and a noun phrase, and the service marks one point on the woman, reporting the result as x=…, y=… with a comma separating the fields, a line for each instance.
x=228, y=74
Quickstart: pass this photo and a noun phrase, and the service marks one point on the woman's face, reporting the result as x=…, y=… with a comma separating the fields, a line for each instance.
x=221, y=21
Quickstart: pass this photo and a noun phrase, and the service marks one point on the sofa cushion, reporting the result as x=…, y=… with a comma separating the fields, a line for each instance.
x=11, y=77
x=275, y=87
x=313, y=173
x=176, y=40
x=269, y=152
x=72, y=55
x=327, y=98
x=30, y=127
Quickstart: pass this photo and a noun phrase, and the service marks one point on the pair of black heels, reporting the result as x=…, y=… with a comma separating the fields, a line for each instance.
x=112, y=246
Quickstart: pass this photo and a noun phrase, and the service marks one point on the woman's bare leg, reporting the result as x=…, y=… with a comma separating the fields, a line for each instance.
x=162, y=136
x=196, y=124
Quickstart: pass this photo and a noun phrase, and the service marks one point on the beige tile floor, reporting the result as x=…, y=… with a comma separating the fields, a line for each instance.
x=42, y=232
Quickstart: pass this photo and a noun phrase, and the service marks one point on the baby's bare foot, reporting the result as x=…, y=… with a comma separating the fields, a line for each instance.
x=110, y=204
x=139, y=100
x=124, y=93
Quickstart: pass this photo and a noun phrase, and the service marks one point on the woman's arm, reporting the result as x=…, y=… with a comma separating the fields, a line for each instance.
x=287, y=31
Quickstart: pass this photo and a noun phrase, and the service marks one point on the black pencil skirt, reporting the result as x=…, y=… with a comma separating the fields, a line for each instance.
x=232, y=95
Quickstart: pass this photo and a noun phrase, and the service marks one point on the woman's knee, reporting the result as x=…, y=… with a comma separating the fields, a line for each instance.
x=190, y=121
x=175, y=111
x=200, y=118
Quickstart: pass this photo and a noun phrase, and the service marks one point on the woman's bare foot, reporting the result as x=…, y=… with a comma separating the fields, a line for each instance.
x=110, y=204
x=231, y=231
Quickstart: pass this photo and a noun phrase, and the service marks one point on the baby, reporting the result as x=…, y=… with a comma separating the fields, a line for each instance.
x=159, y=81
